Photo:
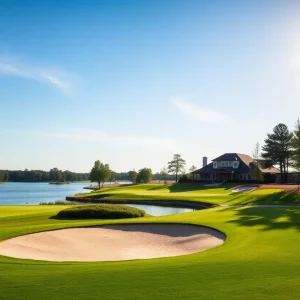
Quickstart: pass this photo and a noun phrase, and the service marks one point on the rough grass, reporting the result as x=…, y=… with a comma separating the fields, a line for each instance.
x=195, y=192
x=58, y=202
x=100, y=211
x=260, y=260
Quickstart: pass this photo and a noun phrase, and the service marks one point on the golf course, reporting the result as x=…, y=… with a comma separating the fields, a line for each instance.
x=260, y=258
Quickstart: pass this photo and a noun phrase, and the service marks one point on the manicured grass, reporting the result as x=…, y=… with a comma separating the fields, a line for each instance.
x=195, y=192
x=259, y=260
x=100, y=211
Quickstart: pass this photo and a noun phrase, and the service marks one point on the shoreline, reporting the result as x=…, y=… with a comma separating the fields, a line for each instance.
x=169, y=203
x=107, y=185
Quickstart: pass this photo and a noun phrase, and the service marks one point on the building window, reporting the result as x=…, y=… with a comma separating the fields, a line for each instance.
x=227, y=163
x=215, y=164
x=235, y=164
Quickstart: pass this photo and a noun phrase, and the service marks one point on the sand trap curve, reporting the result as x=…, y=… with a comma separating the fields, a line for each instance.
x=113, y=242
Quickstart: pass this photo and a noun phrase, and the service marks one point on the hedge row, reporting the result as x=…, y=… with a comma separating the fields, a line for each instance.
x=101, y=211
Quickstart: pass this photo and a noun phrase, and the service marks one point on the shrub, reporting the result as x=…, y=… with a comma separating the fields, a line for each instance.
x=185, y=179
x=101, y=211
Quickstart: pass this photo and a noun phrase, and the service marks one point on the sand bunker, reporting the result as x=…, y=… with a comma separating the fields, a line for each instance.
x=113, y=242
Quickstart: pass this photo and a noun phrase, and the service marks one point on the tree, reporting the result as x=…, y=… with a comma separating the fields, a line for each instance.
x=164, y=174
x=132, y=176
x=100, y=173
x=296, y=150
x=176, y=165
x=6, y=176
x=55, y=175
x=1, y=175
x=255, y=166
x=277, y=149
x=112, y=177
x=144, y=175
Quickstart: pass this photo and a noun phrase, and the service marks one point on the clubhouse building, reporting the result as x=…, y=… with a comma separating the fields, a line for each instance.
x=230, y=166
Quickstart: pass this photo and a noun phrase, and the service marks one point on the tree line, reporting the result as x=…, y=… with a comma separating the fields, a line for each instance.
x=42, y=176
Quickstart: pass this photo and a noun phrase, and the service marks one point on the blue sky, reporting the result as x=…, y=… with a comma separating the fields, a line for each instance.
x=133, y=82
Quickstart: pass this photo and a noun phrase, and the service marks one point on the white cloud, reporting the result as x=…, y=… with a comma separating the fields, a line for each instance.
x=201, y=114
x=65, y=82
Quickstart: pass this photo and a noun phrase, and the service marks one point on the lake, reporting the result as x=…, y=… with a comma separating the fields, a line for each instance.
x=23, y=193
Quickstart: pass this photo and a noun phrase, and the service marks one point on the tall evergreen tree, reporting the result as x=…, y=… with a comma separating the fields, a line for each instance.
x=176, y=165
x=278, y=149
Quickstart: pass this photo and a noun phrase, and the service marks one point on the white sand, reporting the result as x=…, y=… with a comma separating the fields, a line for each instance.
x=113, y=242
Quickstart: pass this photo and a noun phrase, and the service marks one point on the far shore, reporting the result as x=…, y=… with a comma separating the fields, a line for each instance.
x=106, y=185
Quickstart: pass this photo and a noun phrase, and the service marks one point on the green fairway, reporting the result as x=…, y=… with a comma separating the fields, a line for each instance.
x=195, y=192
x=259, y=260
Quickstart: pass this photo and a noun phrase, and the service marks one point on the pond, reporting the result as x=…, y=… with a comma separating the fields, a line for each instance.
x=155, y=210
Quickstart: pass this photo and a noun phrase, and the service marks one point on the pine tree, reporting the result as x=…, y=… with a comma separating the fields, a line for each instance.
x=278, y=149
x=176, y=165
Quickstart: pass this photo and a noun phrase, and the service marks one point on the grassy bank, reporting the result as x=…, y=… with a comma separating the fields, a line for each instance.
x=195, y=192
x=259, y=260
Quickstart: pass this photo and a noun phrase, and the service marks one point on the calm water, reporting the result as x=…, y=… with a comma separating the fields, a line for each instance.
x=161, y=210
x=19, y=193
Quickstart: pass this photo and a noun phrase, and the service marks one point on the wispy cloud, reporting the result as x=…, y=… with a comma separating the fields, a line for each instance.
x=198, y=113
x=63, y=81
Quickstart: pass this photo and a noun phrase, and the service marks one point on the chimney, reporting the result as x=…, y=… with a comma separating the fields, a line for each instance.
x=204, y=161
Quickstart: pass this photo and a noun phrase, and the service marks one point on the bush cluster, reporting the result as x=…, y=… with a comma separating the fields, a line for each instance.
x=101, y=211
x=185, y=179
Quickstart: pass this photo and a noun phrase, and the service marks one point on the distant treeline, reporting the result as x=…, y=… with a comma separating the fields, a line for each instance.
x=60, y=176
x=42, y=176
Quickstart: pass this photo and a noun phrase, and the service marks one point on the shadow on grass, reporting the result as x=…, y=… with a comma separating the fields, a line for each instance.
x=269, y=218
x=160, y=187
x=188, y=187
x=283, y=197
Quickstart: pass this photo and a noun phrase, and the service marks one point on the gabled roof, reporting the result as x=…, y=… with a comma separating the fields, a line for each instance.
x=227, y=157
x=271, y=170
x=246, y=158
x=244, y=165
x=235, y=156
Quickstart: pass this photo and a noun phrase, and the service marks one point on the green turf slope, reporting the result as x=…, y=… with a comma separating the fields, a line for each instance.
x=259, y=260
x=195, y=192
